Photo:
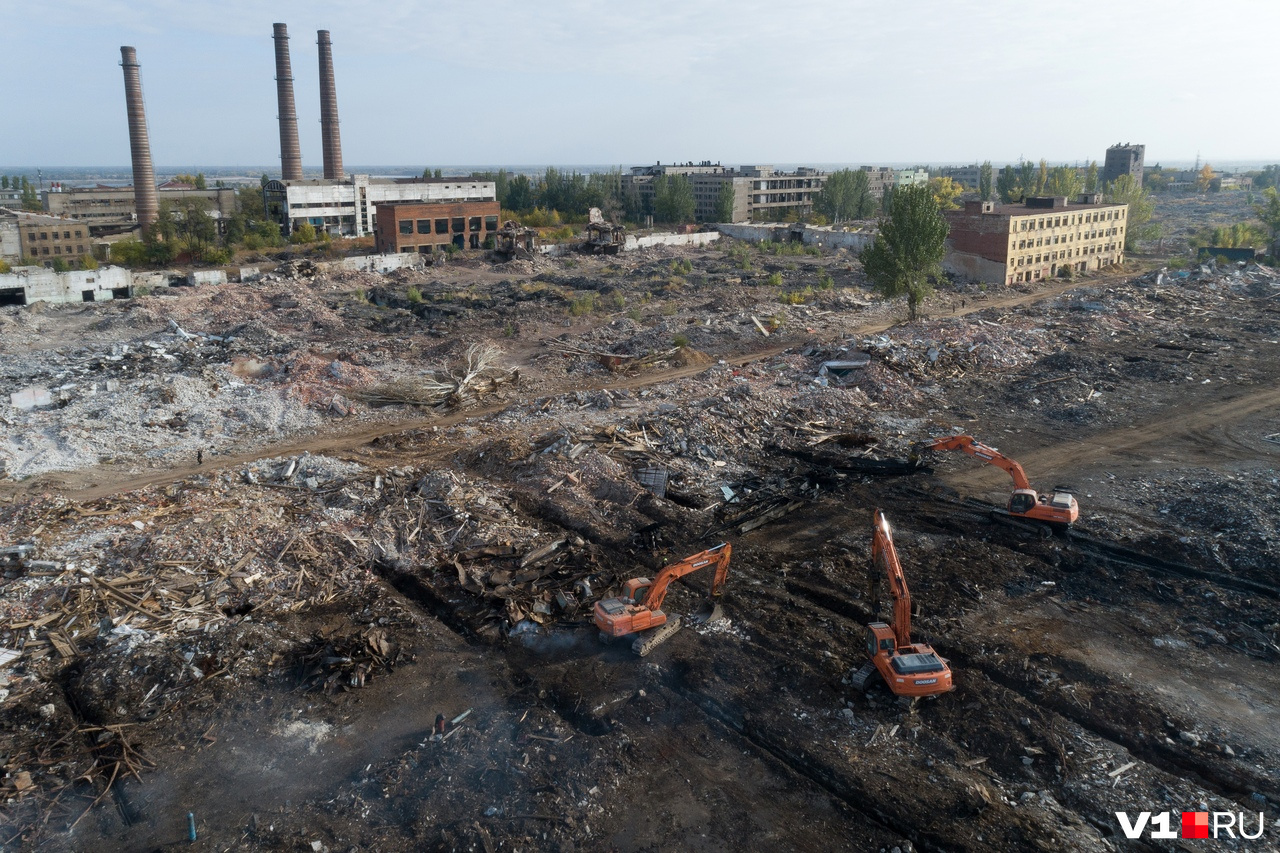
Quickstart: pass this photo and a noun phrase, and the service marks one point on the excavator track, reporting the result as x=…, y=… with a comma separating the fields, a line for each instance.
x=864, y=677
x=650, y=640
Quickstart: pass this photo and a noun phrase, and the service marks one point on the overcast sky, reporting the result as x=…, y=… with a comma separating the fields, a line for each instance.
x=580, y=82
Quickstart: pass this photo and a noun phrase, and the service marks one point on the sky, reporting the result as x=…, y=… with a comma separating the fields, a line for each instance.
x=592, y=82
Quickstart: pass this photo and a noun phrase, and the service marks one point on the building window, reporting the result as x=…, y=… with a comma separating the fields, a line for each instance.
x=442, y=226
x=459, y=224
x=44, y=235
x=44, y=250
x=78, y=234
x=406, y=250
x=475, y=223
x=80, y=249
x=57, y=250
x=491, y=223
x=406, y=226
x=66, y=234
x=424, y=226
x=31, y=235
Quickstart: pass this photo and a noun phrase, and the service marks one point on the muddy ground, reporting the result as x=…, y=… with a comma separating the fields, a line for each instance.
x=264, y=640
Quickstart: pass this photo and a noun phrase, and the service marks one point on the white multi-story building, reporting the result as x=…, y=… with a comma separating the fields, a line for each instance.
x=347, y=207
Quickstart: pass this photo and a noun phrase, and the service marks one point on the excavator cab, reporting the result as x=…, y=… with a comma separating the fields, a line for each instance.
x=636, y=589
x=1022, y=501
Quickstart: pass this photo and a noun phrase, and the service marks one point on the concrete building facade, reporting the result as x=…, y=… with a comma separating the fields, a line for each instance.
x=1035, y=239
x=110, y=210
x=27, y=286
x=348, y=207
x=427, y=228
x=966, y=176
x=1123, y=159
x=759, y=192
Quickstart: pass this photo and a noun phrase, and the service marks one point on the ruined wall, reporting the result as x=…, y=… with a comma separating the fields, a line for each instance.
x=701, y=238
x=975, y=267
x=76, y=286
x=855, y=241
x=986, y=235
x=377, y=263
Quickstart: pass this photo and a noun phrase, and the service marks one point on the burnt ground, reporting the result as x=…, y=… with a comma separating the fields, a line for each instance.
x=268, y=648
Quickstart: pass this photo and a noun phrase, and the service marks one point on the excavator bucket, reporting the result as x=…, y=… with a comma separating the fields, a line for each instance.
x=710, y=611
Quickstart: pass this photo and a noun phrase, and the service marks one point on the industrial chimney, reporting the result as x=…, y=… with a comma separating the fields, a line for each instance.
x=329, y=135
x=290, y=153
x=144, y=175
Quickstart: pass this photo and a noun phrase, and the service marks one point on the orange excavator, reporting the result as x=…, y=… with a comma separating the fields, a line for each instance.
x=638, y=611
x=909, y=669
x=1059, y=509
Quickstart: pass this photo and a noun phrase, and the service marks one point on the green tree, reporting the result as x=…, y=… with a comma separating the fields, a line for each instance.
x=1269, y=213
x=30, y=196
x=1268, y=177
x=1138, y=224
x=1026, y=178
x=4, y=182
x=60, y=265
x=1042, y=177
x=1064, y=181
x=886, y=200
x=984, y=181
x=909, y=249
x=673, y=199
x=520, y=194
x=88, y=262
x=945, y=191
x=129, y=253
x=4, y=265
x=1091, y=177
x=1008, y=186
x=724, y=202
x=845, y=195
x=439, y=174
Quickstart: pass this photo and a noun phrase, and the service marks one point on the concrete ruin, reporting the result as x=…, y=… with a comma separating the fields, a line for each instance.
x=31, y=284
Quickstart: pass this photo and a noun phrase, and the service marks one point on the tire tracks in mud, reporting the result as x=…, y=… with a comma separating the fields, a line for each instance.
x=1232, y=782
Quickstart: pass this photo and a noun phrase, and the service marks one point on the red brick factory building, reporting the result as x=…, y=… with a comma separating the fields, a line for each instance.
x=429, y=227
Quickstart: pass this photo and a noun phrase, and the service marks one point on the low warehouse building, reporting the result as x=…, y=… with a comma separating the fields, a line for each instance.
x=32, y=284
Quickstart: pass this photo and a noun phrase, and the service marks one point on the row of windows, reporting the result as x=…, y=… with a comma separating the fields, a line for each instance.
x=1070, y=219
x=44, y=235
x=57, y=250
x=459, y=223
x=459, y=241
x=1067, y=238
x=1032, y=260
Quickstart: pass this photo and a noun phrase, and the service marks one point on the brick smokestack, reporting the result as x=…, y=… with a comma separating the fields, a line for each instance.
x=290, y=153
x=144, y=174
x=329, y=135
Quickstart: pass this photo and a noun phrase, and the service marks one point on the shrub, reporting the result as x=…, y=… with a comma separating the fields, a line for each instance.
x=1177, y=263
x=4, y=267
x=680, y=341
x=509, y=330
x=414, y=295
x=617, y=299
x=825, y=281
x=584, y=304
x=774, y=279
x=797, y=297
x=304, y=233
x=681, y=266
x=88, y=262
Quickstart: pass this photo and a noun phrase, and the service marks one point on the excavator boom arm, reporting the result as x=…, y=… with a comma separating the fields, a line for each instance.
x=717, y=556
x=885, y=557
x=986, y=453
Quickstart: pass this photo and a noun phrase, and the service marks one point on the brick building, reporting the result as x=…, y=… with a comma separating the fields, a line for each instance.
x=46, y=238
x=428, y=227
x=1036, y=239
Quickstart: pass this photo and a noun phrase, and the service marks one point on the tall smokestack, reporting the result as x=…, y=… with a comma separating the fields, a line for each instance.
x=290, y=153
x=329, y=110
x=144, y=175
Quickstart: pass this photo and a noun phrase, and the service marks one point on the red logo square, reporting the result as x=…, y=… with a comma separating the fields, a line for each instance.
x=1195, y=824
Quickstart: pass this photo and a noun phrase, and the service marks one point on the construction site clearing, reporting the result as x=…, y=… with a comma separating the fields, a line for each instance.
x=310, y=563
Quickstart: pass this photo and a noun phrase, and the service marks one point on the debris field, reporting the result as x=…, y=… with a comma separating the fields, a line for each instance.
x=314, y=559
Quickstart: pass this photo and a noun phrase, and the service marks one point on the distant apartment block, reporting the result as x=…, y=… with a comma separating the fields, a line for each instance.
x=910, y=177
x=1035, y=239
x=427, y=228
x=966, y=176
x=759, y=192
x=1123, y=159
x=349, y=206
